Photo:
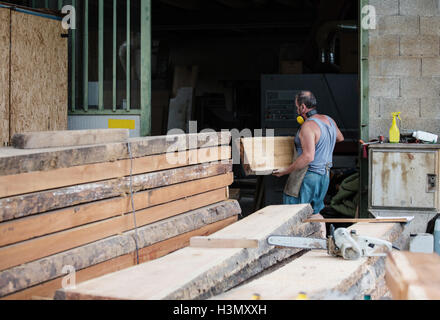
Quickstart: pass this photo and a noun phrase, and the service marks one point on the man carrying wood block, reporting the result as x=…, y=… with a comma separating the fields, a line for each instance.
x=315, y=142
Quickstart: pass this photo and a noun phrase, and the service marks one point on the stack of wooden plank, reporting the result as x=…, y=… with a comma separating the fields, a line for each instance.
x=208, y=270
x=71, y=208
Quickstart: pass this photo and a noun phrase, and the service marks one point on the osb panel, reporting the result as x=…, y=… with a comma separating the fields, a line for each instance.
x=4, y=75
x=39, y=64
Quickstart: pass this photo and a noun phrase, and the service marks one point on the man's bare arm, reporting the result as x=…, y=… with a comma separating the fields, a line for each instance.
x=307, y=137
x=339, y=135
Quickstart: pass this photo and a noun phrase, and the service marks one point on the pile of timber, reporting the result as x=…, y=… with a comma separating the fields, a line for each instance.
x=71, y=208
x=323, y=277
x=229, y=257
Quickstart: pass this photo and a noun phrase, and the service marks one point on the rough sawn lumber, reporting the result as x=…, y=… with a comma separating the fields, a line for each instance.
x=44, y=180
x=38, y=225
x=413, y=276
x=212, y=242
x=49, y=268
x=322, y=276
x=263, y=155
x=194, y=273
x=43, y=201
x=54, y=139
x=30, y=250
x=15, y=161
x=157, y=250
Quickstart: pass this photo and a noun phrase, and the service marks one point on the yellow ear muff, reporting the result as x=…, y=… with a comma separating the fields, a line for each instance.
x=300, y=120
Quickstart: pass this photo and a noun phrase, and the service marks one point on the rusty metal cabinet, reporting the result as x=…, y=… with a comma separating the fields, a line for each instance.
x=404, y=177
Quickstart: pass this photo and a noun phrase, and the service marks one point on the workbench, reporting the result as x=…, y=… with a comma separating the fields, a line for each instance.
x=403, y=181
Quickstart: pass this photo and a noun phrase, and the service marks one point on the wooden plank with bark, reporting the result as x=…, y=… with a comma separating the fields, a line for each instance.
x=322, y=276
x=39, y=202
x=39, y=225
x=44, y=180
x=71, y=138
x=211, y=242
x=34, y=249
x=413, y=276
x=50, y=268
x=155, y=251
x=203, y=272
x=15, y=161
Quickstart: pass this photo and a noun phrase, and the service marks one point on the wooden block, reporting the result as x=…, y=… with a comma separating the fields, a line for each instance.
x=35, y=226
x=261, y=156
x=201, y=272
x=31, y=250
x=210, y=242
x=49, y=268
x=155, y=251
x=54, y=139
x=413, y=275
x=320, y=275
x=44, y=180
x=39, y=202
x=15, y=161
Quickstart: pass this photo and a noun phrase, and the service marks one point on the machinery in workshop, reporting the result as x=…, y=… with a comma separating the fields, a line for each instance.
x=337, y=96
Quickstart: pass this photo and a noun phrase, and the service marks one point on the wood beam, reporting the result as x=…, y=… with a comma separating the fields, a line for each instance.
x=413, y=276
x=35, y=226
x=202, y=272
x=57, y=139
x=321, y=276
x=49, y=268
x=48, y=289
x=261, y=156
x=39, y=202
x=211, y=242
x=16, y=254
x=15, y=161
x=44, y=180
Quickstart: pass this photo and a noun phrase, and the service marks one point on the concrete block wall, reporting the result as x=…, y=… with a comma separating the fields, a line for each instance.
x=404, y=70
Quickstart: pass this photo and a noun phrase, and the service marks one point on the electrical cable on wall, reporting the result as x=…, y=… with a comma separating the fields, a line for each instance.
x=136, y=237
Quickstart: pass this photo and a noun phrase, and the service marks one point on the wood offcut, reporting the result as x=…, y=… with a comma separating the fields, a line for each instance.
x=413, y=276
x=55, y=139
x=263, y=155
x=211, y=242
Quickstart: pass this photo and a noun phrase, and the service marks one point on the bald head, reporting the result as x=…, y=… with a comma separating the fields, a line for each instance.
x=307, y=98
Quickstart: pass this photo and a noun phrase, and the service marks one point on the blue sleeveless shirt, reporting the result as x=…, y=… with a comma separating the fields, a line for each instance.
x=324, y=148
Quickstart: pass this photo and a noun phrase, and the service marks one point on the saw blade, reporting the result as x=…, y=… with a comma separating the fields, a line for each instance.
x=297, y=242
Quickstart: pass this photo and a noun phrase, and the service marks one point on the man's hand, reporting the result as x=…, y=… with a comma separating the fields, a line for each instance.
x=279, y=173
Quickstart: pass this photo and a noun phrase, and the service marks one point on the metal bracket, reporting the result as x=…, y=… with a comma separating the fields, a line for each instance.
x=431, y=183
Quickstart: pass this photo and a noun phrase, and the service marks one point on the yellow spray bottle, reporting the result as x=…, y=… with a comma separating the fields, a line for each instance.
x=394, y=131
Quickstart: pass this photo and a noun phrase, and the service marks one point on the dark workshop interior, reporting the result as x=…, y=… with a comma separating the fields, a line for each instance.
x=250, y=56
x=239, y=64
